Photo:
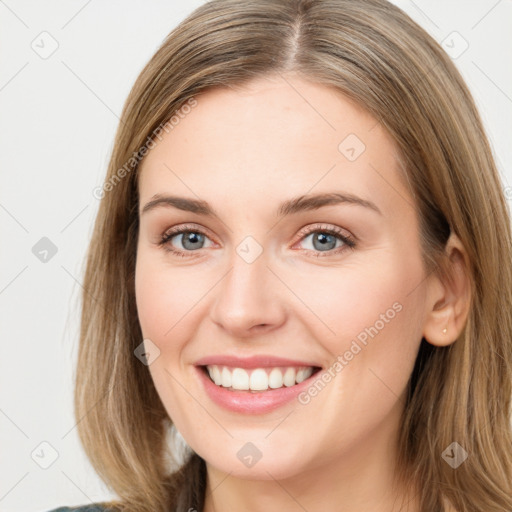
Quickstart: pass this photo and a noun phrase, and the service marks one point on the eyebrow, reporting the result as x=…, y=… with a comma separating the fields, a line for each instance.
x=289, y=207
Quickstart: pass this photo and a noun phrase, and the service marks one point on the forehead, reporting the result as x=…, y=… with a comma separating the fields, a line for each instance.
x=270, y=139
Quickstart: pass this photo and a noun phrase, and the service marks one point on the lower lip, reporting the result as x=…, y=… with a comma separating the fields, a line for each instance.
x=247, y=402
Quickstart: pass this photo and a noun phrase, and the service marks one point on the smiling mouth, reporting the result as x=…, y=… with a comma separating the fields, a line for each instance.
x=257, y=380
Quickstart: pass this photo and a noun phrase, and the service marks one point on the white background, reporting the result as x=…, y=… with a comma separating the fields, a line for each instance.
x=57, y=121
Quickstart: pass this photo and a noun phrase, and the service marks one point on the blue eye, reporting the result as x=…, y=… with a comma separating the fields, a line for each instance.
x=323, y=241
x=191, y=240
x=327, y=240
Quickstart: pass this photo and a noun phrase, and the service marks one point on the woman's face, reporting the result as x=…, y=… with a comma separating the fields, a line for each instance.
x=326, y=283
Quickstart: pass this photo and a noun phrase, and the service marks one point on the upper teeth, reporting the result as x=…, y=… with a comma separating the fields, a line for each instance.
x=259, y=379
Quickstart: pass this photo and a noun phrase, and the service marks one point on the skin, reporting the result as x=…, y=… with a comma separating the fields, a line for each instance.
x=245, y=150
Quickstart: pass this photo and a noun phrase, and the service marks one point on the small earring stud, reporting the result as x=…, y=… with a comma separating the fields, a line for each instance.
x=445, y=330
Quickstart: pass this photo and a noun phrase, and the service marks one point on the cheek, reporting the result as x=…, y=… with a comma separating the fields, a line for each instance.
x=160, y=307
x=370, y=315
x=351, y=298
x=151, y=293
x=374, y=329
x=163, y=298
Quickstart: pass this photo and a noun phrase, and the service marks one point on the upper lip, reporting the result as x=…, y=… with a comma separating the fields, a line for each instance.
x=261, y=361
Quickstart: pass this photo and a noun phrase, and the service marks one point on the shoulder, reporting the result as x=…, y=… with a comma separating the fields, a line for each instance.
x=93, y=507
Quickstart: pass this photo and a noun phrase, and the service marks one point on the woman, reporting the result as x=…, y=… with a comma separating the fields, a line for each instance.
x=301, y=267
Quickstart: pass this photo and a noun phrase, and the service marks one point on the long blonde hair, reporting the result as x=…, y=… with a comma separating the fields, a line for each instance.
x=375, y=54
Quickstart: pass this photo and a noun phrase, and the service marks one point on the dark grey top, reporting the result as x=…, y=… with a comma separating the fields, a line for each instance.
x=93, y=507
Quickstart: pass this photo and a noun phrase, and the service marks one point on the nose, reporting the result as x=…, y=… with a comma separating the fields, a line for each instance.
x=249, y=299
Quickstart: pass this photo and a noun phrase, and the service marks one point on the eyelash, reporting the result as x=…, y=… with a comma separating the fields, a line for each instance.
x=349, y=242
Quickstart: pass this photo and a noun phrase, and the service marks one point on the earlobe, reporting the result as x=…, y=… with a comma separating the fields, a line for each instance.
x=448, y=298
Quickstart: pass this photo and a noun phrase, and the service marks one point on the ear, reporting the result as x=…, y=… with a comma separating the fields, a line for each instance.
x=448, y=299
